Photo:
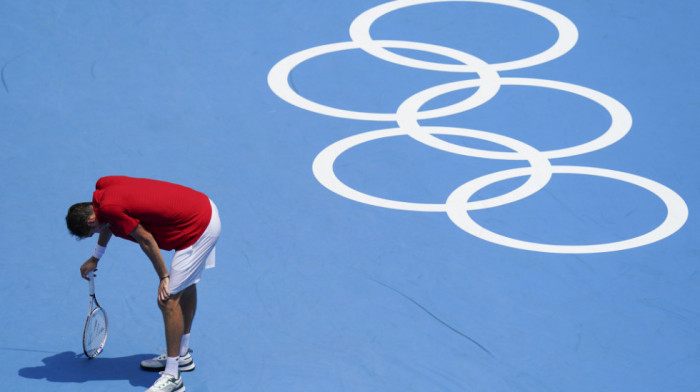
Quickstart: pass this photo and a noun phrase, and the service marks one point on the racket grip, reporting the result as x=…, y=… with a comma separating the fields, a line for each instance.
x=91, y=281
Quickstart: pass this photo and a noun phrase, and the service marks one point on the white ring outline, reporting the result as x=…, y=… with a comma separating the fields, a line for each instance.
x=278, y=80
x=620, y=125
x=324, y=173
x=568, y=35
x=677, y=211
x=360, y=27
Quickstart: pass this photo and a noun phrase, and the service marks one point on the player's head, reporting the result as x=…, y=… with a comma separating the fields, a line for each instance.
x=79, y=219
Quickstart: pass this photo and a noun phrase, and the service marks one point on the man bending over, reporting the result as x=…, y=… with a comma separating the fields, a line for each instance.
x=156, y=215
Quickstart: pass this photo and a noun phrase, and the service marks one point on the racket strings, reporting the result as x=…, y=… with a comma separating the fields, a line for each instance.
x=95, y=333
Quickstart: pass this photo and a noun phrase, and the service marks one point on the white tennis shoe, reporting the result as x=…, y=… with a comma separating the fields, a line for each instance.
x=167, y=383
x=185, y=363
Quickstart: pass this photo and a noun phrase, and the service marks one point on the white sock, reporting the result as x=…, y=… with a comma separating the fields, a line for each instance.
x=184, y=344
x=172, y=367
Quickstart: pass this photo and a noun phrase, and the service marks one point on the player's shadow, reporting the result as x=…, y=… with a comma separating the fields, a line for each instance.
x=71, y=367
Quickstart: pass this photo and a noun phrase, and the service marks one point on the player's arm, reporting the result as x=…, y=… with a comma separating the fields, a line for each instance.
x=91, y=263
x=150, y=248
x=105, y=235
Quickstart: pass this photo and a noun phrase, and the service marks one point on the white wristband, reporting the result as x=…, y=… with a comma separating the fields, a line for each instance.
x=99, y=251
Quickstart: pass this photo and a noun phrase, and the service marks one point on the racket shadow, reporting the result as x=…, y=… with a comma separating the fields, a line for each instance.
x=69, y=367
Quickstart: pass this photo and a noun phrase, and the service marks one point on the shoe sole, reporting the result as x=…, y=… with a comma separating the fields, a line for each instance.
x=187, y=368
x=181, y=389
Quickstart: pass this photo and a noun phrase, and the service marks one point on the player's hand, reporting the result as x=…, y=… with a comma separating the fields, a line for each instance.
x=164, y=291
x=89, y=265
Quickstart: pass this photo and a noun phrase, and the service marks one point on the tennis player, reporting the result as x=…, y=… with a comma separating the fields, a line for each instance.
x=156, y=215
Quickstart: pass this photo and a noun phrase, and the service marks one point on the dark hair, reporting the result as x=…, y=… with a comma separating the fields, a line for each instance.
x=76, y=220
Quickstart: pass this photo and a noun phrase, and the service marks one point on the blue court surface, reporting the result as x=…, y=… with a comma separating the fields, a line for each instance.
x=491, y=195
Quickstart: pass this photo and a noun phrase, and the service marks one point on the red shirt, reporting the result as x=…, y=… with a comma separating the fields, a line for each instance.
x=175, y=215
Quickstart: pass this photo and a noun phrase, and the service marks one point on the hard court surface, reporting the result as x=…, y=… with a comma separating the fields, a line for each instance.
x=489, y=196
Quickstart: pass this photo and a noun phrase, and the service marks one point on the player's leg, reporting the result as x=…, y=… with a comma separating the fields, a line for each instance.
x=174, y=324
x=176, y=319
x=178, y=313
x=170, y=379
x=188, y=304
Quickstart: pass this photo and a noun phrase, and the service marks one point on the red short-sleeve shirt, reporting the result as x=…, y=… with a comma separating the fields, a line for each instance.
x=175, y=215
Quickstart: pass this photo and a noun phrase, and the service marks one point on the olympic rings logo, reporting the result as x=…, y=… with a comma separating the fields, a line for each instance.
x=488, y=83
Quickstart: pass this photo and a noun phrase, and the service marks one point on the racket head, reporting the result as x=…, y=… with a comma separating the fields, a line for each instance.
x=95, y=332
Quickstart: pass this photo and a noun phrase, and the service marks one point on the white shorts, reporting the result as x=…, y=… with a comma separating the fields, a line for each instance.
x=187, y=264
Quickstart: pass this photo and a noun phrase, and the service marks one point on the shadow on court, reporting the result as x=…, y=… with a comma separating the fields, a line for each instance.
x=76, y=368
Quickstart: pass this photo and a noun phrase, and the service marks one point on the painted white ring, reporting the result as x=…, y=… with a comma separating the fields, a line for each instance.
x=278, y=80
x=360, y=33
x=619, y=127
x=324, y=173
x=457, y=210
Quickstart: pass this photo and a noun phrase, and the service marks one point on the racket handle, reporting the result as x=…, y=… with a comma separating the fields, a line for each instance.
x=91, y=280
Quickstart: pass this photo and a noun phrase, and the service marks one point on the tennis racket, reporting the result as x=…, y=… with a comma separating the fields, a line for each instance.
x=95, y=331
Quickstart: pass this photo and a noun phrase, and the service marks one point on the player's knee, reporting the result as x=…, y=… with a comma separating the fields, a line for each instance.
x=172, y=303
x=168, y=305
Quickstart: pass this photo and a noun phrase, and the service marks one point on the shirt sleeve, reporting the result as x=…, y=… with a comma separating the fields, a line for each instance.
x=120, y=221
